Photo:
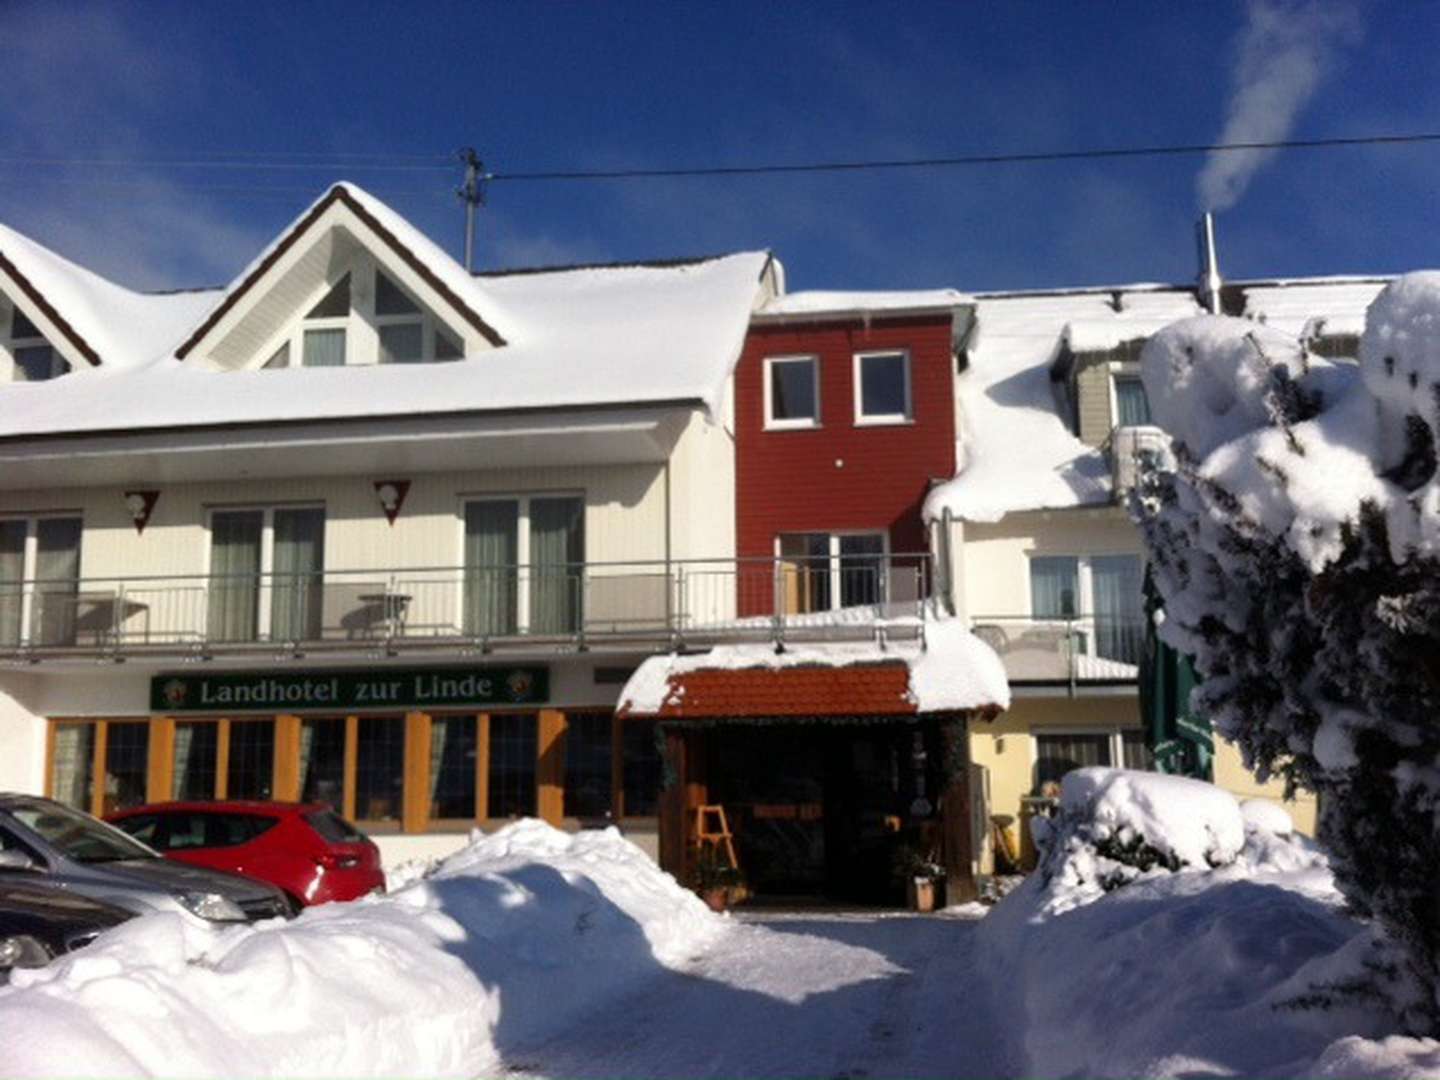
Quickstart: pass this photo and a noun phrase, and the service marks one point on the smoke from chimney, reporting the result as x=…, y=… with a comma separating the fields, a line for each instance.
x=1286, y=50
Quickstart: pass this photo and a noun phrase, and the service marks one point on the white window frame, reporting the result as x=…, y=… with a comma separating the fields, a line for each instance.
x=31, y=558
x=522, y=544
x=9, y=346
x=794, y=423
x=1120, y=369
x=430, y=325
x=1115, y=734
x=267, y=549
x=833, y=556
x=864, y=419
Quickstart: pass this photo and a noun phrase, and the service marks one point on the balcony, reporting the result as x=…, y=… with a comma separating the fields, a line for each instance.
x=468, y=609
x=1071, y=651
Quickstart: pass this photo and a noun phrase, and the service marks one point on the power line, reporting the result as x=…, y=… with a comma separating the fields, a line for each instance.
x=966, y=160
x=139, y=163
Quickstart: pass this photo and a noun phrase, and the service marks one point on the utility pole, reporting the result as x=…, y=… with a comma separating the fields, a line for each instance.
x=472, y=194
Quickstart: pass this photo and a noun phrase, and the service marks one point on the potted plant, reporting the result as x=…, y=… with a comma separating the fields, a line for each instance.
x=717, y=882
x=924, y=878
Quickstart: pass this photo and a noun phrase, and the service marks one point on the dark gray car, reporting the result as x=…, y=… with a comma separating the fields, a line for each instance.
x=43, y=840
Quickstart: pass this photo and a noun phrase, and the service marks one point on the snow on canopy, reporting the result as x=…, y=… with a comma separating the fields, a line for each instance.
x=576, y=337
x=1015, y=450
x=953, y=671
x=125, y=329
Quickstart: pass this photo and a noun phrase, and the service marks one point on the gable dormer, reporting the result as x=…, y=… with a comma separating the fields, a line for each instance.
x=26, y=353
x=349, y=284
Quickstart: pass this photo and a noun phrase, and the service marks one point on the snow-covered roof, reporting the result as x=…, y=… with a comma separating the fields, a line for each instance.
x=1015, y=451
x=582, y=337
x=1325, y=307
x=104, y=323
x=830, y=302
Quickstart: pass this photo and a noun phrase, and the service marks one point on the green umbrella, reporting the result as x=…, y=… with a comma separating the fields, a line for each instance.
x=1181, y=741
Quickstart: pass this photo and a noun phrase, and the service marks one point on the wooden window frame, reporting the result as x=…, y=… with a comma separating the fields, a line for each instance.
x=98, y=754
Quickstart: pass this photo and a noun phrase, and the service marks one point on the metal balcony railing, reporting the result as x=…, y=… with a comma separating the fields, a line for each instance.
x=1072, y=649
x=707, y=600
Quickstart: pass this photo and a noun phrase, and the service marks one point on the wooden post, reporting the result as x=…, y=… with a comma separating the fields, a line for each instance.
x=415, y=796
x=286, y=780
x=482, y=767
x=160, y=762
x=222, y=759
x=352, y=764
x=550, y=769
x=97, y=770
x=957, y=813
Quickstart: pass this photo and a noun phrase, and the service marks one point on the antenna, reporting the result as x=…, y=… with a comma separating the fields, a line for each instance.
x=472, y=194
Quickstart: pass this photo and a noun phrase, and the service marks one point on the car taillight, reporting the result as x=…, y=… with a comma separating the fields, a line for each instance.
x=332, y=861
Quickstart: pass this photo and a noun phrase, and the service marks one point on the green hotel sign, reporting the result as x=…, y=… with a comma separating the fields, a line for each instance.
x=371, y=688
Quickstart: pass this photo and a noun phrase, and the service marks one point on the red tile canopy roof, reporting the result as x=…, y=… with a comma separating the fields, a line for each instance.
x=852, y=690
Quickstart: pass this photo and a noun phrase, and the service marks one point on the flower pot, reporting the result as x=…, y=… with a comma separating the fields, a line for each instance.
x=923, y=894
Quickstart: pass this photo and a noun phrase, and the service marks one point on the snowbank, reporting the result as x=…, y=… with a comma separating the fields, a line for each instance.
x=1205, y=970
x=506, y=939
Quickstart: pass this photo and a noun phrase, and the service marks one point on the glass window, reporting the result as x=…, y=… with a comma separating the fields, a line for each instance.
x=12, y=577
x=322, y=761
x=235, y=539
x=447, y=347
x=22, y=327
x=1054, y=586
x=641, y=768
x=333, y=827
x=1116, y=581
x=72, y=770
x=1138, y=752
x=390, y=299
x=57, y=580
x=805, y=572
x=143, y=827
x=557, y=552
x=34, y=363
x=196, y=749
x=380, y=768
x=251, y=769
x=513, y=747
x=335, y=304
x=183, y=831
x=1057, y=755
x=492, y=550
x=77, y=835
x=587, y=765
x=794, y=392
x=884, y=387
x=1131, y=405
x=862, y=565
x=402, y=343
x=127, y=757
x=299, y=568
x=324, y=348
x=452, y=767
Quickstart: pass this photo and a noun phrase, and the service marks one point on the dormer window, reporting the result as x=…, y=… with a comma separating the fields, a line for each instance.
x=1132, y=407
x=324, y=340
x=408, y=334
x=32, y=358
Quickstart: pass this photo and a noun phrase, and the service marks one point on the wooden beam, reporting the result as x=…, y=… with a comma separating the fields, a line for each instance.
x=352, y=764
x=550, y=767
x=160, y=760
x=482, y=767
x=415, y=796
x=97, y=770
x=49, y=782
x=222, y=759
x=285, y=783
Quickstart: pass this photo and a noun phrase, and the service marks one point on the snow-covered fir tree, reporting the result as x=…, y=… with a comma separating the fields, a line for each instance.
x=1296, y=545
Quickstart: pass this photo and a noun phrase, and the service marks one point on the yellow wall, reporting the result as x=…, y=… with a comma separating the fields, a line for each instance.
x=1231, y=774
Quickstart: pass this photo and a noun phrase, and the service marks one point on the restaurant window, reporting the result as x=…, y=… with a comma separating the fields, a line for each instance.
x=453, y=747
x=223, y=759
x=250, y=771
x=792, y=392
x=39, y=580
x=641, y=769
x=197, y=748
x=524, y=561
x=587, y=765
x=117, y=752
x=267, y=569
x=379, y=768
x=882, y=388
x=322, y=762
x=513, y=746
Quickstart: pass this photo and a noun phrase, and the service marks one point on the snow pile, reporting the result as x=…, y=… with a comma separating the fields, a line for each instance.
x=1205, y=970
x=830, y=302
x=953, y=670
x=508, y=938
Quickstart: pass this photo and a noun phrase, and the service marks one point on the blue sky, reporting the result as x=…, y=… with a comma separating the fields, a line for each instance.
x=618, y=84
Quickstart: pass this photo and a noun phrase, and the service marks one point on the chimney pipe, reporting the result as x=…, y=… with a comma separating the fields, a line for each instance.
x=1209, y=279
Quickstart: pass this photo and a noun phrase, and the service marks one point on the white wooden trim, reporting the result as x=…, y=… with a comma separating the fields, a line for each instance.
x=862, y=419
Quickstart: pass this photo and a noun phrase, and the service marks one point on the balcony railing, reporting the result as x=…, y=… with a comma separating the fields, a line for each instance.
x=486, y=607
x=1073, y=649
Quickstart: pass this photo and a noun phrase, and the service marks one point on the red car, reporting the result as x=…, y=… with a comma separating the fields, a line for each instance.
x=306, y=849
